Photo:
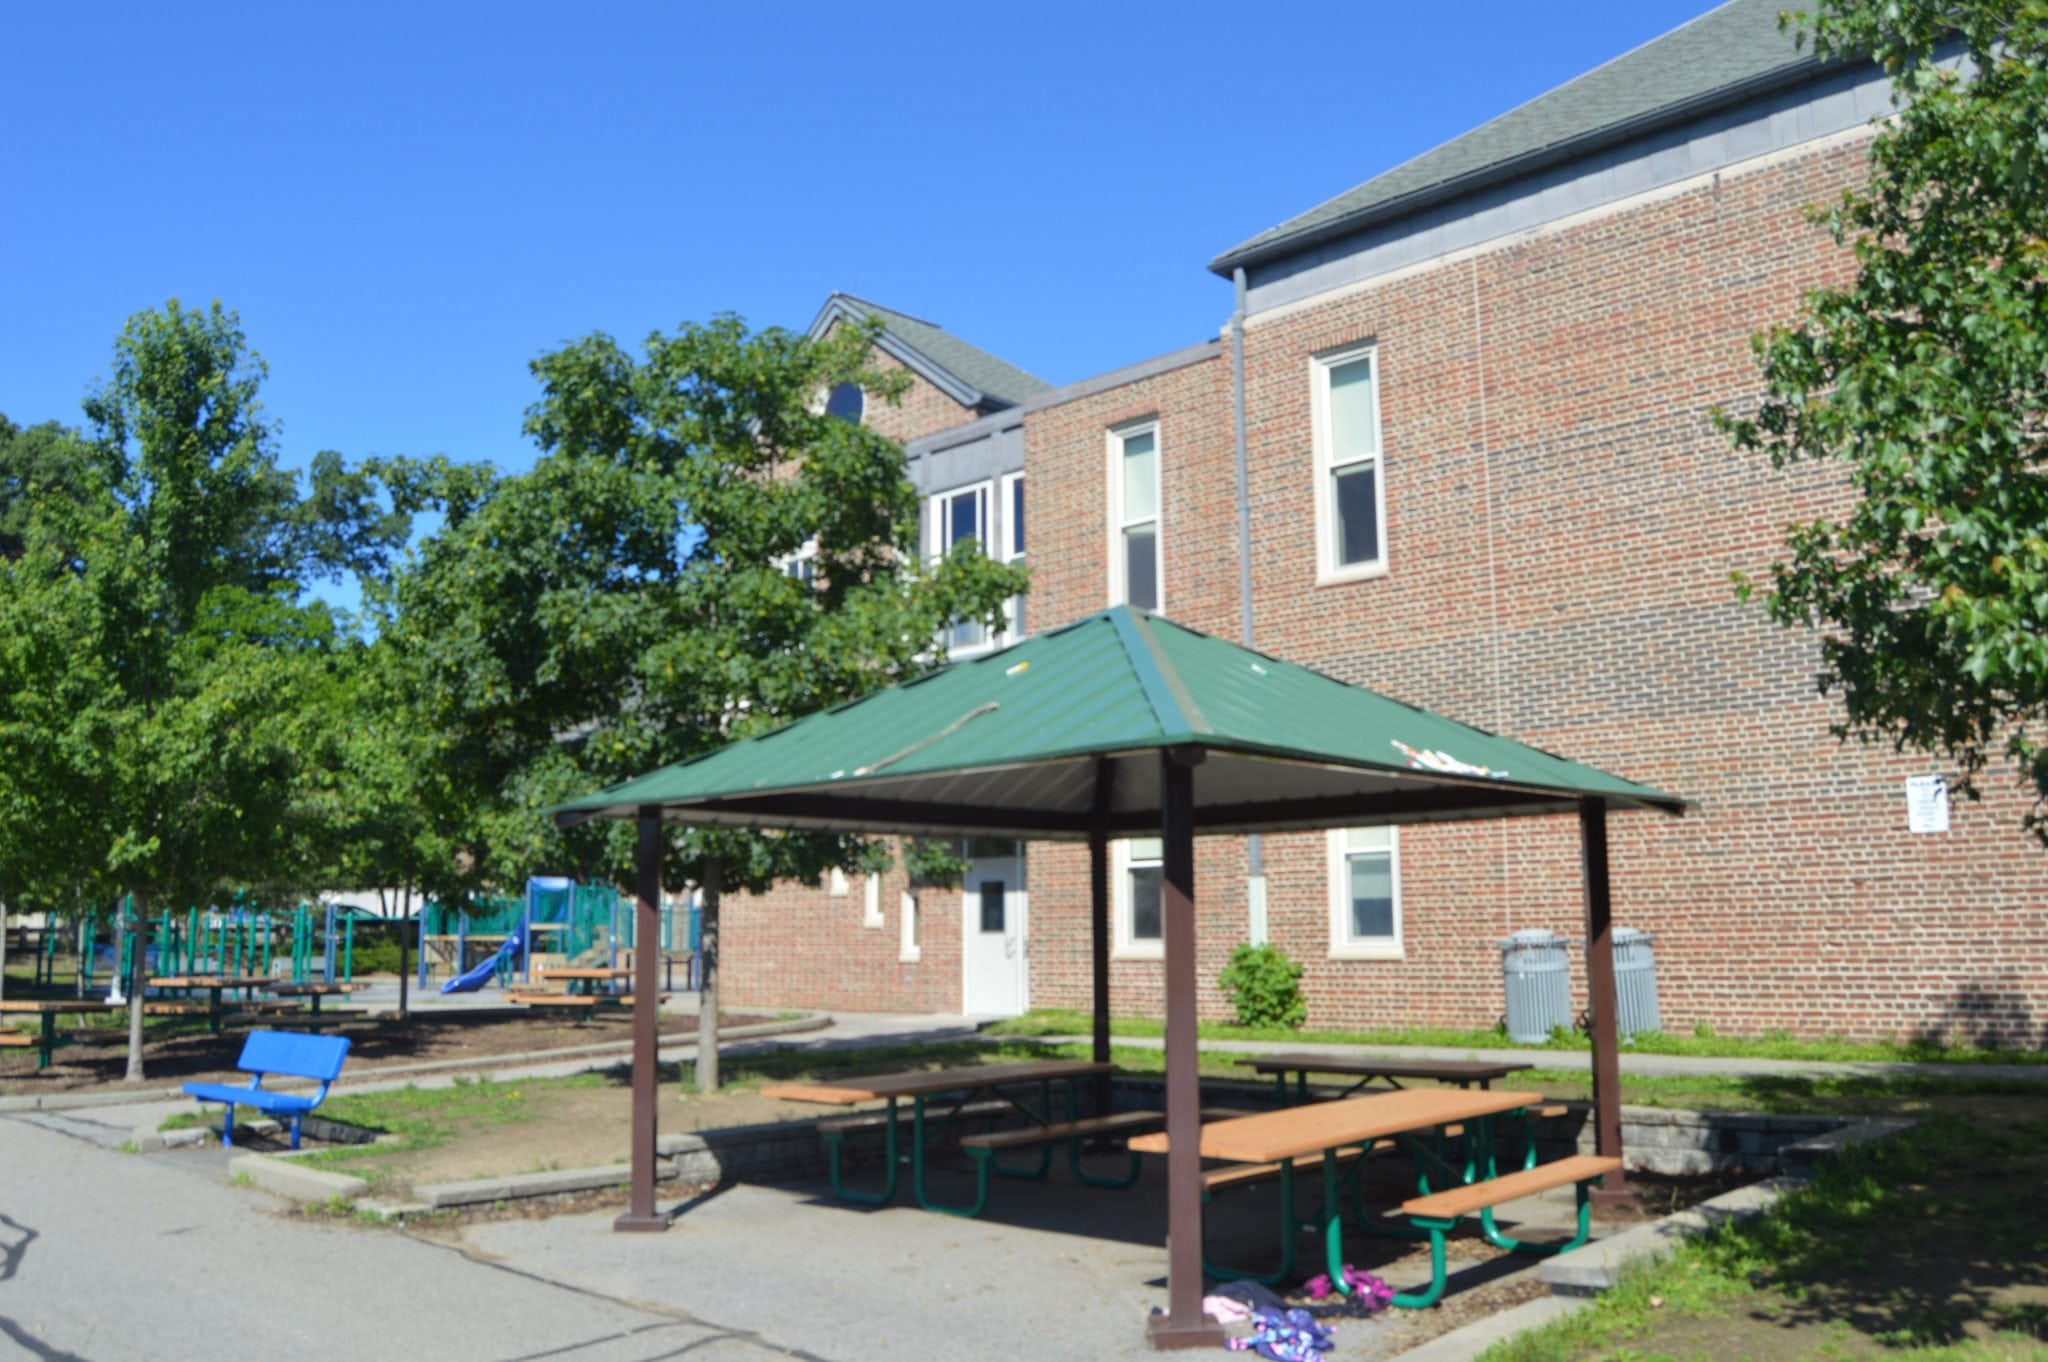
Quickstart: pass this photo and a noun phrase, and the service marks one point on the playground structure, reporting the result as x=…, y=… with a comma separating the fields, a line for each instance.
x=557, y=922
x=305, y=944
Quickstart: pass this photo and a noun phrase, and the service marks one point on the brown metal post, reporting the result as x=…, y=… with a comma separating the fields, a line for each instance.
x=1601, y=1001
x=1098, y=921
x=640, y=1214
x=1183, y=1325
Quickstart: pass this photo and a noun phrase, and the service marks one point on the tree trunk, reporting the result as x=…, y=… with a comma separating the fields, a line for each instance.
x=138, y=980
x=404, y=959
x=707, y=996
x=3, y=952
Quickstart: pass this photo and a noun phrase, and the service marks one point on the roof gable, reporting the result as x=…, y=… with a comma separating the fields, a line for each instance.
x=970, y=376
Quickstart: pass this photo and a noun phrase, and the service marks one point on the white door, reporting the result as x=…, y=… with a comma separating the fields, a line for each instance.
x=994, y=933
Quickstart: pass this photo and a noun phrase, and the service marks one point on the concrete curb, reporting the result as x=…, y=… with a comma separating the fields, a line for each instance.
x=557, y=1182
x=1599, y=1265
x=67, y=1101
x=1461, y=1345
x=295, y=1182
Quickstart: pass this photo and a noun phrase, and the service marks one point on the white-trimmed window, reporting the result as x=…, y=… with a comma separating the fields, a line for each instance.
x=1135, y=562
x=803, y=564
x=1365, y=894
x=956, y=517
x=1138, y=885
x=835, y=882
x=871, y=901
x=1011, y=500
x=1351, y=493
x=911, y=945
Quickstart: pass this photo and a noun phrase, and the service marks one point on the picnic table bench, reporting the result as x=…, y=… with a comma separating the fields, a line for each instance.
x=1339, y=1136
x=1461, y=1073
x=585, y=1005
x=44, y=1040
x=267, y=1053
x=963, y=1087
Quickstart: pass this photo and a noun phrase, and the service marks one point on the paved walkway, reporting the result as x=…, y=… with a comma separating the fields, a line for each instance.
x=1645, y=1065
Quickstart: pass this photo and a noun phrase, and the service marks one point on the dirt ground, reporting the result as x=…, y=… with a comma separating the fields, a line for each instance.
x=101, y=1056
x=585, y=1128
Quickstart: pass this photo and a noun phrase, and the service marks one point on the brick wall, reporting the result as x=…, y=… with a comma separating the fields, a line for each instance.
x=1562, y=521
x=799, y=945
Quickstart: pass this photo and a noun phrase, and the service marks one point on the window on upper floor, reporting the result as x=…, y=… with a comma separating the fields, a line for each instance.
x=1351, y=503
x=1365, y=894
x=956, y=517
x=803, y=564
x=1012, y=537
x=847, y=402
x=1138, y=879
x=1134, y=551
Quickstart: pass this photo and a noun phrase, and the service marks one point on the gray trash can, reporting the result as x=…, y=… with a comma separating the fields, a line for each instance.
x=1635, y=983
x=1538, y=985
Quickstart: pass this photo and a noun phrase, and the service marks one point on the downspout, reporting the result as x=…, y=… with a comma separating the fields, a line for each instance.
x=1255, y=850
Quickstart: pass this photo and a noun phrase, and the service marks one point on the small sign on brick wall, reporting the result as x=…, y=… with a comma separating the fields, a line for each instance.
x=1926, y=804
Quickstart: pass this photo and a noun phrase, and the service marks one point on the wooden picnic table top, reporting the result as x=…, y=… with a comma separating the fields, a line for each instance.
x=849, y=1091
x=58, y=1005
x=289, y=989
x=209, y=980
x=583, y=972
x=1364, y=1066
x=1293, y=1131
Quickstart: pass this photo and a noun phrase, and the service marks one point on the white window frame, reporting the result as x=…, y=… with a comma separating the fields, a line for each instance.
x=1343, y=946
x=1012, y=552
x=803, y=564
x=1113, y=463
x=835, y=882
x=1125, y=945
x=938, y=526
x=1328, y=570
x=871, y=901
x=907, y=948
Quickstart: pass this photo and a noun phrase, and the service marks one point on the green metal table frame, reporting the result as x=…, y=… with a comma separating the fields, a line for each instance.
x=924, y=1132
x=1433, y=1154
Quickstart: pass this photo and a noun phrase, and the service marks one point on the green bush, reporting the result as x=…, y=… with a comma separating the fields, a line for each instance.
x=1263, y=984
x=376, y=955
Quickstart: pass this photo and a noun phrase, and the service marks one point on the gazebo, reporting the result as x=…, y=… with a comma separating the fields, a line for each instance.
x=1123, y=724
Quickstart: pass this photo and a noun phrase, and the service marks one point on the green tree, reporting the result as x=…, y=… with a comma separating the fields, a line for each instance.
x=168, y=679
x=637, y=598
x=1926, y=379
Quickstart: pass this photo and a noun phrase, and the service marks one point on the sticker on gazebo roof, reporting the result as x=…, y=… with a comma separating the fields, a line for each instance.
x=1443, y=762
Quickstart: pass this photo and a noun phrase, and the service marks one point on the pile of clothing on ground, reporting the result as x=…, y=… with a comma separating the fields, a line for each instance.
x=1260, y=1321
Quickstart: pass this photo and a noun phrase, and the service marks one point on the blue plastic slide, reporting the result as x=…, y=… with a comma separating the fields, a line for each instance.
x=477, y=977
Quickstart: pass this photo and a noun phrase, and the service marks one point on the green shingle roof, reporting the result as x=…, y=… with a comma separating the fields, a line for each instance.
x=1007, y=744
x=1721, y=58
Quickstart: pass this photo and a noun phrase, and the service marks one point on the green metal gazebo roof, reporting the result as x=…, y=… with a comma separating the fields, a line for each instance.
x=1038, y=741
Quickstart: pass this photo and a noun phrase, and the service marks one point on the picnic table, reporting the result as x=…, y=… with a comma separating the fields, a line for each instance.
x=1337, y=1136
x=213, y=985
x=1365, y=1068
x=586, y=978
x=49, y=1009
x=313, y=992
x=995, y=1085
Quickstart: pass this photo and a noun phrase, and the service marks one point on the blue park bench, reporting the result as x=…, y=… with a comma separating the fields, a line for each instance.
x=277, y=1052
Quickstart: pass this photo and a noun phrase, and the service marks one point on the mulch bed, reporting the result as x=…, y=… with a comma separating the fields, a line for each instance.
x=100, y=1057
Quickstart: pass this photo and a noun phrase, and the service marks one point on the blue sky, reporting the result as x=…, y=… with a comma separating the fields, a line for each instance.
x=407, y=203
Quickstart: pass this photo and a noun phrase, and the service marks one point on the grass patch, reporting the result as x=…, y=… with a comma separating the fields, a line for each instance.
x=1931, y=1243
x=1705, y=1043
x=426, y=1118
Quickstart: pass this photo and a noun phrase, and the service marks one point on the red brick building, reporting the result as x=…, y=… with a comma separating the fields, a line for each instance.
x=1479, y=475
